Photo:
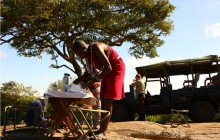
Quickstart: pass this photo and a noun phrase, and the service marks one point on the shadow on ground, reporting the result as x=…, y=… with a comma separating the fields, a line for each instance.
x=21, y=134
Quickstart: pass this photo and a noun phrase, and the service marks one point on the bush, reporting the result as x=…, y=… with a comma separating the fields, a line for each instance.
x=14, y=100
x=172, y=118
x=217, y=117
x=162, y=118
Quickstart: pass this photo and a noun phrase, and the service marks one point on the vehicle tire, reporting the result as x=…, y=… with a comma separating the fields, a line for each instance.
x=120, y=113
x=202, y=111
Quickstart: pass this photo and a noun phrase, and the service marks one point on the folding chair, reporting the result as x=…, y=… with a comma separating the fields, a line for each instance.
x=15, y=133
x=79, y=112
x=179, y=114
x=61, y=115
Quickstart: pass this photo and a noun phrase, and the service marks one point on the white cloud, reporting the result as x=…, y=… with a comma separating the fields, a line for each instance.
x=3, y=54
x=213, y=30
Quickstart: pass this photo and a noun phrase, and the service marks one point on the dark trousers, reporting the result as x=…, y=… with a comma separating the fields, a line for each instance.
x=141, y=108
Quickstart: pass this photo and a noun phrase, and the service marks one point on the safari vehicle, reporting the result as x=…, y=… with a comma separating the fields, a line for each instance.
x=201, y=101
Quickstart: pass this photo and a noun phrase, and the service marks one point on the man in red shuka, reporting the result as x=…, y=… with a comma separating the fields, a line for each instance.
x=111, y=72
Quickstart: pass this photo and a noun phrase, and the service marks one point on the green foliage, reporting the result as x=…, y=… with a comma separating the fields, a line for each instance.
x=15, y=94
x=217, y=117
x=167, y=118
x=14, y=100
x=58, y=83
x=162, y=118
x=33, y=27
x=15, y=88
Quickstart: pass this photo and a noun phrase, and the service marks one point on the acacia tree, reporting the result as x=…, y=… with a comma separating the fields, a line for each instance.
x=15, y=88
x=58, y=84
x=34, y=27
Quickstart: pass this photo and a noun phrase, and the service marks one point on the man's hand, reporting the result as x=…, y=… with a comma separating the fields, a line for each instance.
x=76, y=81
x=85, y=77
x=88, y=84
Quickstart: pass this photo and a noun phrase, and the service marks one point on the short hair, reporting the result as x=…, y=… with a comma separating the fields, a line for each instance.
x=78, y=44
x=138, y=75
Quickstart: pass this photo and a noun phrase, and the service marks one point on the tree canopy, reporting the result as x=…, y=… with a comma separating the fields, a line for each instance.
x=58, y=83
x=34, y=27
x=15, y=88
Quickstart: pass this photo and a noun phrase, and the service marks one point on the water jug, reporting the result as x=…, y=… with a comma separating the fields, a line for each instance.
x=65, y=82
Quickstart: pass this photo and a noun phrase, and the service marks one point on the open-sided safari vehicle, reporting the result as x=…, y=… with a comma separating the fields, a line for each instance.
x=201, y=101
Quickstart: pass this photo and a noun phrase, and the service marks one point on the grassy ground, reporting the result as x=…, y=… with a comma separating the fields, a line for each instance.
x=170, y=117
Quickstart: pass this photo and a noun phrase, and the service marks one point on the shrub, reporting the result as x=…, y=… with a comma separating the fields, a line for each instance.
x=14, y=100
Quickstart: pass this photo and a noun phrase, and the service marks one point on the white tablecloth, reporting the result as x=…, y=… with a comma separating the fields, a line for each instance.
x=86, y=98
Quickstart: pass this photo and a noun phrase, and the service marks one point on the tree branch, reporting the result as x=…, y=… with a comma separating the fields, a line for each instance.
x=57, y=67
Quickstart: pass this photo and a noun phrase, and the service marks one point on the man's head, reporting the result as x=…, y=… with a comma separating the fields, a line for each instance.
x=138, y=76
x=80, y=48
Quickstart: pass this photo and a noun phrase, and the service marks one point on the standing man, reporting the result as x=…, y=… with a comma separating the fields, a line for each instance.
x=111, y=73
x=138, y=83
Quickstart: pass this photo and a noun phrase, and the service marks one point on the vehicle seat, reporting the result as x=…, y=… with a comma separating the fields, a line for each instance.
x=193, y=82
x=165, y=94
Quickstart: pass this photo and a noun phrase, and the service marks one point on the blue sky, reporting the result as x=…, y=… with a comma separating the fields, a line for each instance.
x=196, y=33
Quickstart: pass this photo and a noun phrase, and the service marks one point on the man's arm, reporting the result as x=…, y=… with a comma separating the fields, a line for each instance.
x=84, y=77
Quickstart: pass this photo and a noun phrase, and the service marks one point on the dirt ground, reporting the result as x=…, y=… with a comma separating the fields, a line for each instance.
x=148, y=130
x=136, y=130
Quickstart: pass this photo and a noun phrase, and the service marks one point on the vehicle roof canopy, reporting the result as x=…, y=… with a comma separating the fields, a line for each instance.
x=203, y=65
